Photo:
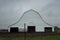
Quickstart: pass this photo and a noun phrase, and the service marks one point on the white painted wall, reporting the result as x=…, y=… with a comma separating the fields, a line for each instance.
x=31, y=18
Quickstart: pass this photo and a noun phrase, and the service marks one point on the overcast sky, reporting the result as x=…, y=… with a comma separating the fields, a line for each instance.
x=11, y=10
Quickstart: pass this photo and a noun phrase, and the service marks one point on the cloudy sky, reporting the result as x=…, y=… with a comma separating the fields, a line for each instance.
x=11, y=10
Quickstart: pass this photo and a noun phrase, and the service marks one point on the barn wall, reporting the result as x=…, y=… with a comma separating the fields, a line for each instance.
x=38, y=29
x=32, y=18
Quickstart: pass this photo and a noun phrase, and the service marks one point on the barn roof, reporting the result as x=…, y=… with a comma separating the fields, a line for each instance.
x=36, y=13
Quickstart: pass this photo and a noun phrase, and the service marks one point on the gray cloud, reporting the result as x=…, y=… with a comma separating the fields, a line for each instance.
x=11, y=10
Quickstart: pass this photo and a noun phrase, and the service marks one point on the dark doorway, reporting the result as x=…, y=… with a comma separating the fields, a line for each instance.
x=14, y=29
x=31, y=29
x=48, y=29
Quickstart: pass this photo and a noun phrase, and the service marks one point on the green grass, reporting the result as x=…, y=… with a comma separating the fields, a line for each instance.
x=56, y=37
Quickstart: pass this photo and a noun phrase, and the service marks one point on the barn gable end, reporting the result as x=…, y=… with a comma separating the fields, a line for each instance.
x=32, y=18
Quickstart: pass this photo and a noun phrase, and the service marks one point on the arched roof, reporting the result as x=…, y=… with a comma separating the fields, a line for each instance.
x=29, y=11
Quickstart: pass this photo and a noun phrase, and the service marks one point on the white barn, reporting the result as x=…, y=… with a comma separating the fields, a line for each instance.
x=31, y=18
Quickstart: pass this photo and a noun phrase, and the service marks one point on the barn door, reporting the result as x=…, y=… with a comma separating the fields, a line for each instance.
x=31, y=28
x=48, y=29
x=14, y=29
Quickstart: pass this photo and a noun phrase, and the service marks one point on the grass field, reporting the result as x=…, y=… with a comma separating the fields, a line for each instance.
x=55, y=37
